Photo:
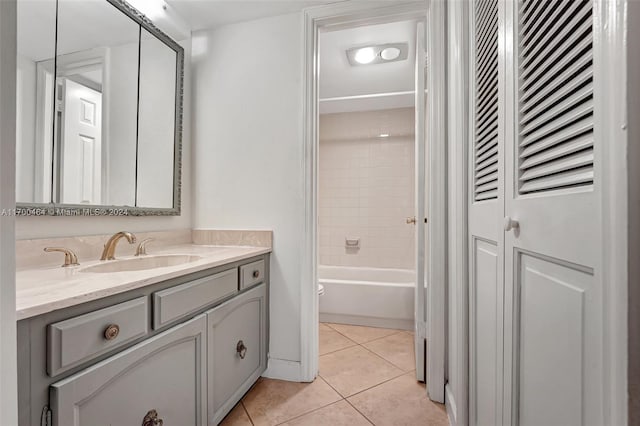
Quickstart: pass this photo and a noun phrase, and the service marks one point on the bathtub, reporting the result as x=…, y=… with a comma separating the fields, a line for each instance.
x=375, y=297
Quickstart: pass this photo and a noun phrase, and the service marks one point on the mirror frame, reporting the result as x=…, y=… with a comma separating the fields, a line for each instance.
x=57, y=209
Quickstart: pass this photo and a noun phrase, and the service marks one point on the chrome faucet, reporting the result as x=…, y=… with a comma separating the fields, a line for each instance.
x=110, y=247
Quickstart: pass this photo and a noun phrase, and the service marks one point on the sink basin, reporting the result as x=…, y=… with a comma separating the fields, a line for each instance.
x=142, y=263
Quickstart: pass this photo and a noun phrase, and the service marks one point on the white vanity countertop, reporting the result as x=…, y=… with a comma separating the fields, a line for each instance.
x=43, y=290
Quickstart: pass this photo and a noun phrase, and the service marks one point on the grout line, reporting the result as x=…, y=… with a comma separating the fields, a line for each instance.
x=389, y=361
x=247, y=412
x=395, y=331
x=319, y=408
x=379, y=384
x=361, y=413
x=337, y=350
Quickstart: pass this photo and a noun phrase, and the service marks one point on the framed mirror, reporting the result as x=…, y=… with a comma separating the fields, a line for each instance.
x=99, y=111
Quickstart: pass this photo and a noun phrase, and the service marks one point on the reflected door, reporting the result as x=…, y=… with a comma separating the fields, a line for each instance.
x=81, y=144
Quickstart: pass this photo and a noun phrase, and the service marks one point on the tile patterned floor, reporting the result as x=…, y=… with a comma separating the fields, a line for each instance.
x=366, y=378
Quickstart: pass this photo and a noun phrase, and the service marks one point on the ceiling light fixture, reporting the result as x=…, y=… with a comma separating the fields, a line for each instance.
x=383, y=135
x=377, y=54
x=365, y=55
x=390, y=53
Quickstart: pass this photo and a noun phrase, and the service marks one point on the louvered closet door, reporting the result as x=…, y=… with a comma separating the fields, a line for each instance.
x=553, y=298
x=486, y=209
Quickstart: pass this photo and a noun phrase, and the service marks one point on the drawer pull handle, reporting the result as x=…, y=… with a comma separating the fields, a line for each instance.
x=111, y=332
x=241, y=349
x=256, y=273
x=151, y=419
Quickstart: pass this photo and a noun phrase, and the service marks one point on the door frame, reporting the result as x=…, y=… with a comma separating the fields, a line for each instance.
x=347, y=15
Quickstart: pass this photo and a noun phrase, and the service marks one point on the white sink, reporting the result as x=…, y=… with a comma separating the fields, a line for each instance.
x=142, y=263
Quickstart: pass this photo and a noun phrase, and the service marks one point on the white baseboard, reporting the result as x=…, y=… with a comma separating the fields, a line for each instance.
x=400, y=324
x=450, y=404
x=283, y=369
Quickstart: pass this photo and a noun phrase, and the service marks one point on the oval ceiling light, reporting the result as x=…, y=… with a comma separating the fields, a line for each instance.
x=365, y=55
x=390, y=53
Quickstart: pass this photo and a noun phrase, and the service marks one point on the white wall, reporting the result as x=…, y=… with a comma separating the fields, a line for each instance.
x=43, y=227
x=8, y=374
x=248, y=151
x=366, y=188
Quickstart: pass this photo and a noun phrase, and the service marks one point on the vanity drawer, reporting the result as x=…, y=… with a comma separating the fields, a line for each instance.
x=77, y=340
x=180, y=301
x=251, y=274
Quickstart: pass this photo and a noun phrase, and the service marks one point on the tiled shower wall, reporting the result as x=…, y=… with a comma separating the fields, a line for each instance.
x=366, y=188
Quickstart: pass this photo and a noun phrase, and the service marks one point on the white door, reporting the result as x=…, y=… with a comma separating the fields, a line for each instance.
x=81, y=144
x=420, y=332
x=536, y=338
x=486, y=209
x=553, y=297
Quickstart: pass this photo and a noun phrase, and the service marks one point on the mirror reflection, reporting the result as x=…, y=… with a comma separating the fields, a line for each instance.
x=97, y=97
x=156, y=123
x=34, y=99
x=99, y=111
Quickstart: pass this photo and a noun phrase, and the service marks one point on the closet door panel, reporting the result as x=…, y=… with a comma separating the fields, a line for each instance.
x=553, y=295
x=486, y=208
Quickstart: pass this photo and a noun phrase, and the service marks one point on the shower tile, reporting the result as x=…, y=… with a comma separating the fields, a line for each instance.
x=400, y=402
x=331, y=340
x=397, y=349
x=339, y=414
x=355, y=369
x=360, y=334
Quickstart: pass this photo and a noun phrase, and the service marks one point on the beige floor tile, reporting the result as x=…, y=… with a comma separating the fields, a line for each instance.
x=397, y=349
x=355, y=369
x=331, y=340
x=324, y=326
x=237, y=417
x=360, y=334
x=400, y=402
x=271, y=402
x=339, y=414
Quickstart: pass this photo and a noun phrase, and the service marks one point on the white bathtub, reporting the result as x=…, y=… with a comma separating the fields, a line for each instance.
x=375, y=297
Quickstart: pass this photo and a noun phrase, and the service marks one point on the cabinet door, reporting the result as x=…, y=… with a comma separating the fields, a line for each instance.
x=237, y=345
x=165, y=373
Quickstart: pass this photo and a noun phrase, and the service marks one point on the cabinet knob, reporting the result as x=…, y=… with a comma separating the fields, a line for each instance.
x=510, y=224
x=241, y=349
x=256, y=273
x=152, y=419
x=111, y=332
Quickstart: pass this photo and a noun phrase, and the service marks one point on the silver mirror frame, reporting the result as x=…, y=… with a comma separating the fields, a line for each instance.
x=54, y=209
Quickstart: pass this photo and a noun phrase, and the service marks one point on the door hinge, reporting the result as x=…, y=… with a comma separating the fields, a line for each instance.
x=421, y=329
x=59, y=106
x=45, y=420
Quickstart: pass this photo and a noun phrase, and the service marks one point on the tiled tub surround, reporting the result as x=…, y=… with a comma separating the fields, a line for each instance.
x=366, y=188
x=43, y=286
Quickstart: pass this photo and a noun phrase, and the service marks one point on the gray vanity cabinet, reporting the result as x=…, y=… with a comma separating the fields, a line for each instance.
x=237, y=356
x=188, y=348
x=163, y=376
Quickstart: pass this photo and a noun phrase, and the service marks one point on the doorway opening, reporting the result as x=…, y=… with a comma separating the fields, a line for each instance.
x=370, y=193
